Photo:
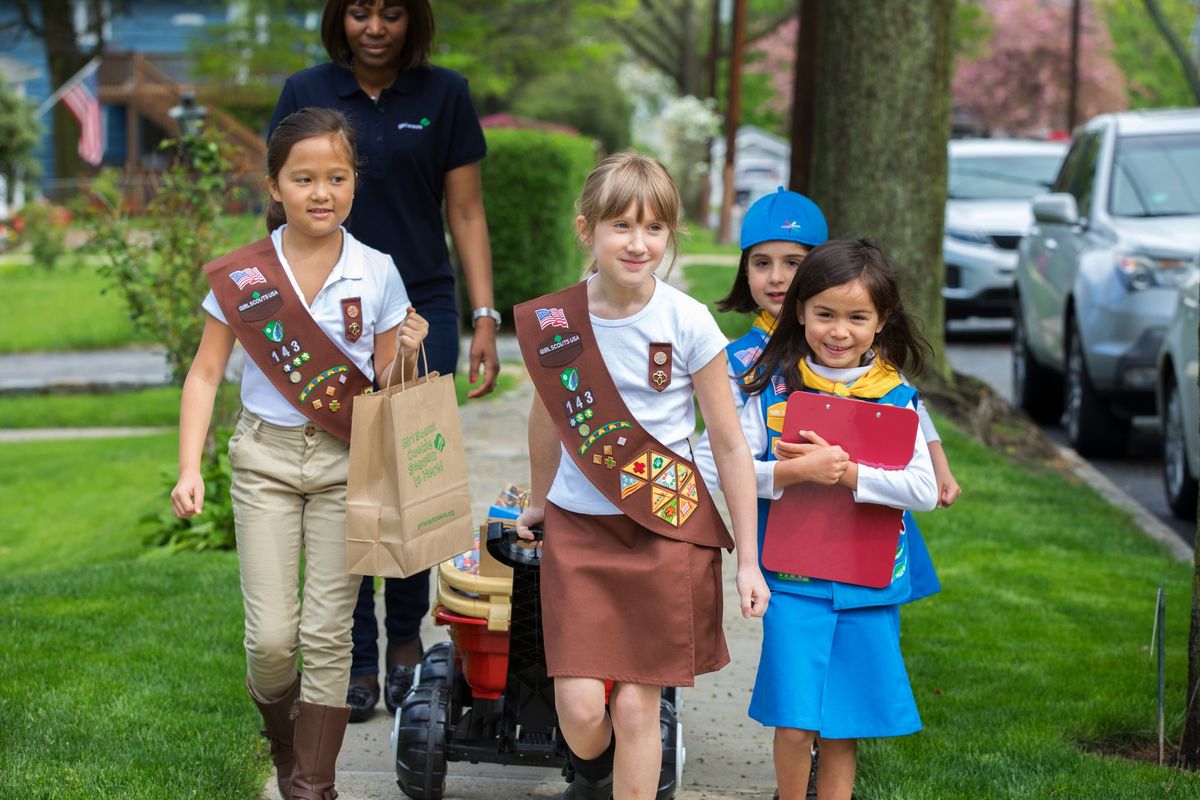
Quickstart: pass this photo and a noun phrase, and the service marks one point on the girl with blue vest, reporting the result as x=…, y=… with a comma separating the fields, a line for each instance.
x=831, y=665
x=777, y=234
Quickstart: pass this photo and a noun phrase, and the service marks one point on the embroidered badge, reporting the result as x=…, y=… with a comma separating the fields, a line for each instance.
x=274, y=331
x=551, y=317
x=630, y=484
x=603, y=430
x=315, y=382
x=639, y=467
x=257, y=306
x=560, y=349
x=246, y=277
x=570, y=379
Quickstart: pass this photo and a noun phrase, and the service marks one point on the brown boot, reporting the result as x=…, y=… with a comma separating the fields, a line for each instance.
x=278, y=729
x=319, y=731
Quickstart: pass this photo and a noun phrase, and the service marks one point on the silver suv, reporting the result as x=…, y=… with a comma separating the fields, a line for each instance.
x=1179, y=403
x=991, y=184
x=1098, y=274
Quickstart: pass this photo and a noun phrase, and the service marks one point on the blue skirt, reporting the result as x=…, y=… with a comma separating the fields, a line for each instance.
x=839, y=673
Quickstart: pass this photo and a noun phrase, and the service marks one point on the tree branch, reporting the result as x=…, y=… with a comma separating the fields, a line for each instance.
x=1181, y=55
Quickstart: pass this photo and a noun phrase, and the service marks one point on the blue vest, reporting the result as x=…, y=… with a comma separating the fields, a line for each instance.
x=741, y=353
x=913, y=575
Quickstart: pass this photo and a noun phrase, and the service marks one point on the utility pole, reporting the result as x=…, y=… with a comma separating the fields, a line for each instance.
x=733, y=115
x=1073, y=96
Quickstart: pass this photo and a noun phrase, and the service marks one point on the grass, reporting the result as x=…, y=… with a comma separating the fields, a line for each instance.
x=64, y=309
x=701, y=241
x=120, y=674
x=1038, y=642
x=709, y=283
x=156, y=407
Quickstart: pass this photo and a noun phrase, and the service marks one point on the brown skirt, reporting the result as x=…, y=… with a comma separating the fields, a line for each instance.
x=620, y=602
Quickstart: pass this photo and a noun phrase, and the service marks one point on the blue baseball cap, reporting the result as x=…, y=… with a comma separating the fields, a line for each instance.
x=783, y=216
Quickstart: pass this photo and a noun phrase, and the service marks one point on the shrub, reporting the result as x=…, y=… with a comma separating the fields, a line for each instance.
x=530, y=182
x=44, y=228
x=593, y=104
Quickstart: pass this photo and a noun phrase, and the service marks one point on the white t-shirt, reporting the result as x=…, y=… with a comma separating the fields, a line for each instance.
x=359, y=272
x=669, y=316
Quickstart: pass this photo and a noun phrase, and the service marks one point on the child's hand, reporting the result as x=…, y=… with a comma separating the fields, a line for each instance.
x=752, y=591
x=948, y=489
x=821, y=462
x=187, y=498
x=533, y=515
x=411, y=333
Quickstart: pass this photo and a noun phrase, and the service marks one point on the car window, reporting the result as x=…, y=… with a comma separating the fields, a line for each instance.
x=995, y=177
x=1084, y=178
x=1156, y=176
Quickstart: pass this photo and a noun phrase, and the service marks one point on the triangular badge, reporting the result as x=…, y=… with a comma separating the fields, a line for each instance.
x=639, y=467
x=658, y=462
x=670, y=511
x=630, y=484
x=658, y=498
x=686, y=507
x=666, y=478
x=689, y=490
x=682, y=473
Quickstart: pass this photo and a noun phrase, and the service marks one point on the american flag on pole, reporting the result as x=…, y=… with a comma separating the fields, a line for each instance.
x=551, y=316
x=246, y=277
x=83, y=99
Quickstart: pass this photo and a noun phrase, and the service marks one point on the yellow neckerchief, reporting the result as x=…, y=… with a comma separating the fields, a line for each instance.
x=880, y=379
x=765, y=322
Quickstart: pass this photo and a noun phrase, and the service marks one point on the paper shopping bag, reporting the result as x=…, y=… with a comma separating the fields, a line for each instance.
x=408, y=506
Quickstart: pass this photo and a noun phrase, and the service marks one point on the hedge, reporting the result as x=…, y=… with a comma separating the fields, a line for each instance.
x=531, y=180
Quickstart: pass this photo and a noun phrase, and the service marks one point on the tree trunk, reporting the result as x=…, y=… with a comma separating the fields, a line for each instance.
x=879, y=146
x=64, y=59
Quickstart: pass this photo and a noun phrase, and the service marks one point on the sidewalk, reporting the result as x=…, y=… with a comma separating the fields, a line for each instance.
x=728, y=755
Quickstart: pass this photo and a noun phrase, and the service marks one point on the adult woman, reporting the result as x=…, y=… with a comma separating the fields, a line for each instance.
x=420, y=143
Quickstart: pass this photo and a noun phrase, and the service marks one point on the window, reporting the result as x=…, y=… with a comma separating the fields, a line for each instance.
x=1156, y=176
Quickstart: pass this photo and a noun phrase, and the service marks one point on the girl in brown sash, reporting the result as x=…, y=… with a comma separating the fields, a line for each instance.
x=320, y=316
x=631, y=566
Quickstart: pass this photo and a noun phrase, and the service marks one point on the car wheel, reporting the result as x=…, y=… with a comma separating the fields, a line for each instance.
x=1037, y=389
x=1092, y=428
x=1180, y=486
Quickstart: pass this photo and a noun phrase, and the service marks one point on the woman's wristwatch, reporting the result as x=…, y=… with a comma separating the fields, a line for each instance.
x=484, y=311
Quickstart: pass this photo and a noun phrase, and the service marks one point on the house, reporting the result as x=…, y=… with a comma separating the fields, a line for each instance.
x=761, y=163
x=15, y=75
x=143, y=75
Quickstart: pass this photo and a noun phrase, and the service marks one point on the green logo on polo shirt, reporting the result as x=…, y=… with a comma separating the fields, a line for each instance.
x=415, y=126
x=425, y=123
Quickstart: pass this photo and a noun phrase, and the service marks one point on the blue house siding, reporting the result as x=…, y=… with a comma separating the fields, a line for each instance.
x=150, y=27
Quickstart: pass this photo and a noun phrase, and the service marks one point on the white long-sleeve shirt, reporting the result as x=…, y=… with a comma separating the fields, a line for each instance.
x=913, y=488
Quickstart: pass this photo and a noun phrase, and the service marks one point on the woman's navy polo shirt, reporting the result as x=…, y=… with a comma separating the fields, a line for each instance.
x=421, y=128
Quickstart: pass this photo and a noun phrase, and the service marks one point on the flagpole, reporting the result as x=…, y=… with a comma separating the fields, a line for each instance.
x=71, y=83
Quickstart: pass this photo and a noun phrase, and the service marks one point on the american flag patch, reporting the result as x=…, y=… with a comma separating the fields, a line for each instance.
x=247, y=277
x=779, y=385
x=551, y=316
x=748, y=355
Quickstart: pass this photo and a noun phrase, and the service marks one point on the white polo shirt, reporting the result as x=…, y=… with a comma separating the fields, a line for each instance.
x=359, y=272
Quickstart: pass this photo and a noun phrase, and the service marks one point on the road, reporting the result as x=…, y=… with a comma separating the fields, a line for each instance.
x=982, y=348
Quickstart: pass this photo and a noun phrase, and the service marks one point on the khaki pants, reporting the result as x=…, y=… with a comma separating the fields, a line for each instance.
x=289, y=497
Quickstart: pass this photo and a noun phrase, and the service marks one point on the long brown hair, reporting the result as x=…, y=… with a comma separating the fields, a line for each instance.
x=296, y=127
x=836, y=263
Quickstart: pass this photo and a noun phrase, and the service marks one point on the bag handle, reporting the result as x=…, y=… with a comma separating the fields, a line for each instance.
x=392, y=368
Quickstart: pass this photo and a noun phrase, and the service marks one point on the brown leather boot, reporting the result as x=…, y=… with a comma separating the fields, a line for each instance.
x=278, y=730
x=319, y=731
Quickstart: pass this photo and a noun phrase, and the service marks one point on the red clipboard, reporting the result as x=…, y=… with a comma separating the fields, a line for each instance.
x=819, y=531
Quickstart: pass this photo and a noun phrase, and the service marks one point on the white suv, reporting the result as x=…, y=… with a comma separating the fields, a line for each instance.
x=991, y=184
x=1098, y=274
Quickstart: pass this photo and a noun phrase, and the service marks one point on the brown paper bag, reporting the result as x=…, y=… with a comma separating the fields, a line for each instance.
x=408, y=506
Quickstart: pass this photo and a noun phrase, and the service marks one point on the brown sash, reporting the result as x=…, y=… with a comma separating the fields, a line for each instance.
x=270, y=320
x=650, y=483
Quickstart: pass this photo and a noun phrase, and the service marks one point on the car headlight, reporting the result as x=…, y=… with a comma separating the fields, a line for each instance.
x=963, y=235
x=1139, y=272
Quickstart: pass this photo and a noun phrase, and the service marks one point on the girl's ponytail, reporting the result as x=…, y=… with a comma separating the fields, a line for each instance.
x=274, y=215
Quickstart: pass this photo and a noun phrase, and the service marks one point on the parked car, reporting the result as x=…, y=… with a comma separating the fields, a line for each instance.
x=991, y=184
x=1179, y=403
x=1098, y=274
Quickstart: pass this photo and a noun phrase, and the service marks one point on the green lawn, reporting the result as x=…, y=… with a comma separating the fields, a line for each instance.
x=66, y=309
x=703, y=240
x=1038, y=642
x=121, y=669
x=709, y=283
x=145, y=408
